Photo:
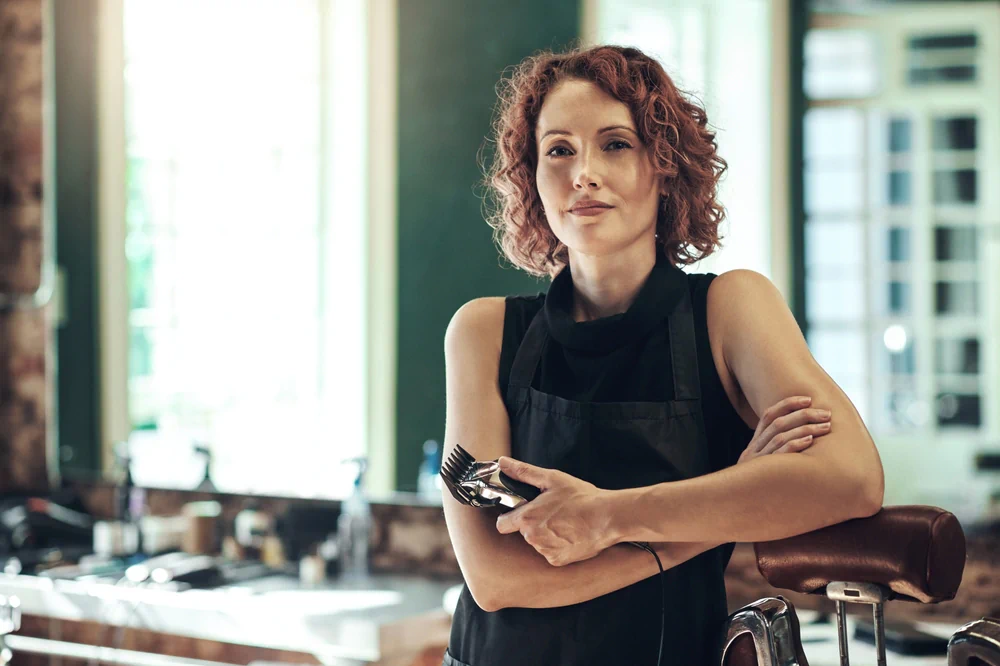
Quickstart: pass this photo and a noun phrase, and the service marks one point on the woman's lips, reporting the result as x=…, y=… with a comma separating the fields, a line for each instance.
x=590, y=211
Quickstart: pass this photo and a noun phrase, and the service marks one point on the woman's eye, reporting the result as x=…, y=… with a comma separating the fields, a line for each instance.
x=624, y=144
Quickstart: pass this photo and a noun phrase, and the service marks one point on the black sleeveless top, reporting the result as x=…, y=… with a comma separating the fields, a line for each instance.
x=606, y=401
x=624, y=357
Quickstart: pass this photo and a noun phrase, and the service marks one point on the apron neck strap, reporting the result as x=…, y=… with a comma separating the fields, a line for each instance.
x=522, y=372
x=684, y=350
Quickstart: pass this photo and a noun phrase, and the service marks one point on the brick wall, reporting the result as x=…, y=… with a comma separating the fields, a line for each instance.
x=25, y=341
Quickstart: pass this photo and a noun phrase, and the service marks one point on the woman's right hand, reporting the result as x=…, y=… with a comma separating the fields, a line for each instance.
x=788, y=426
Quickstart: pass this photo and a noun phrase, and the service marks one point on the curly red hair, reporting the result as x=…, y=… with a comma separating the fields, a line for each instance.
x=682, y=148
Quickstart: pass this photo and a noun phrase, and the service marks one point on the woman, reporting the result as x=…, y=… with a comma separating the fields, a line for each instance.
x=628, y=393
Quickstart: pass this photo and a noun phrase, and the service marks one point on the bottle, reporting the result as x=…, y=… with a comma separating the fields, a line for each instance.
x=429, y=478
x=124, y=532
x=354, y=527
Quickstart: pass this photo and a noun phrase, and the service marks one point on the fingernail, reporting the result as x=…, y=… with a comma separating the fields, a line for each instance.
x=808, y=438
x=826, y=413
x=805, y=401
x=825, y=426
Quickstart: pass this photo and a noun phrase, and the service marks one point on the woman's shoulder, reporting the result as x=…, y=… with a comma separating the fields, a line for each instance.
x=493, y=321
x=715, y=296
x=476, y=329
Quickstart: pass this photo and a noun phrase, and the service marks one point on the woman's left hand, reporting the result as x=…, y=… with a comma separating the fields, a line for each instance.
x=568, y=522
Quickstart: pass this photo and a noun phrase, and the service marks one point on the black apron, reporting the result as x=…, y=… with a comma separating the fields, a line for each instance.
x=613, y=445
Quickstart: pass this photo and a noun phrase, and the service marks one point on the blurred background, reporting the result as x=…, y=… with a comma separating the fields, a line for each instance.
x=233, y=232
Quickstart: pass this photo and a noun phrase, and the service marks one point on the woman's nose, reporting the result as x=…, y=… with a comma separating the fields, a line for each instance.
x=588, y=173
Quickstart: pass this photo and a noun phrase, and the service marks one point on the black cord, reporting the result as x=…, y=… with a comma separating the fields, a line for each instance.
x=663, y=595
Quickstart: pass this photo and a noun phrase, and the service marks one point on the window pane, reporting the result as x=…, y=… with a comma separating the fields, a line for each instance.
x=899, y=135
x=899, y=188
x=940, y=42
x=956, y=298
x=139, y=255
x=835, y=299
x=955, y=409
x=947, y=74
x=833, y=243
x=955, y=243
x=833, y=136
x=957, y=356
x=833, y=191
x=954, y=133
x=840, y=63
x=841, y=353
x=899, y=298
x=955, y=186
x=899, y=244
x=942, y=58
x=901, y=362
x=140, y=352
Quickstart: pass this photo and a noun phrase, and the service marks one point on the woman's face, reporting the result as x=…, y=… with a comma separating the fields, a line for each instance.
x=578, y=158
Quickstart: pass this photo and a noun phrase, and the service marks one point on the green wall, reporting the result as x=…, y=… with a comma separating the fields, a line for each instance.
x=451, y=55
x=74, y=40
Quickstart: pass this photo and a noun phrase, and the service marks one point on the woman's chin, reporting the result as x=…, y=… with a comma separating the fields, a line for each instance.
x=598, y=240
x=596, y=244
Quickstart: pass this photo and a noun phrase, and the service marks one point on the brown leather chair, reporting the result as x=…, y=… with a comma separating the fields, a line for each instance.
x=910, y=553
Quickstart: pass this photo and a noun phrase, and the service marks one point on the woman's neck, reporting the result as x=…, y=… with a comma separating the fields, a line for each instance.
x=607, y=285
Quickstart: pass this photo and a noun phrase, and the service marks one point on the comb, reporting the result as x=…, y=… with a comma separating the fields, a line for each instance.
x=454, y=471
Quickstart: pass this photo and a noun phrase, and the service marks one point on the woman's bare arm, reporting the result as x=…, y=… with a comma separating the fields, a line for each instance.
x=503, y=570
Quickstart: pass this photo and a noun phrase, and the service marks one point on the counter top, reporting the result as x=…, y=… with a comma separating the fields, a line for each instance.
x=340, y=622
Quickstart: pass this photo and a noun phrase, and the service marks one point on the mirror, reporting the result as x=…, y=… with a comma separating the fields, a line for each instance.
x=295, y=244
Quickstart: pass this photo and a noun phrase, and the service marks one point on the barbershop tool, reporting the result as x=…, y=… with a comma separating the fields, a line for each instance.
x=481, y=484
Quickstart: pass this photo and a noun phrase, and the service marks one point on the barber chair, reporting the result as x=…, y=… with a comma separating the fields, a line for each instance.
x=904, y=553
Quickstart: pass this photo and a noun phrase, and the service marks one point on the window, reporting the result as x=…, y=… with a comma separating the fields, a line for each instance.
x=900, y=293
x=840, y=64
x=245, y=240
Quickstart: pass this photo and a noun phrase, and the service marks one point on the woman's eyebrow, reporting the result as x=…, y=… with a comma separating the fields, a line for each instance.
x=600, y=131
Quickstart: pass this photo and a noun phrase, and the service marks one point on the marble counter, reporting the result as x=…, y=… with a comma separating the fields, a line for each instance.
x=339, y=622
